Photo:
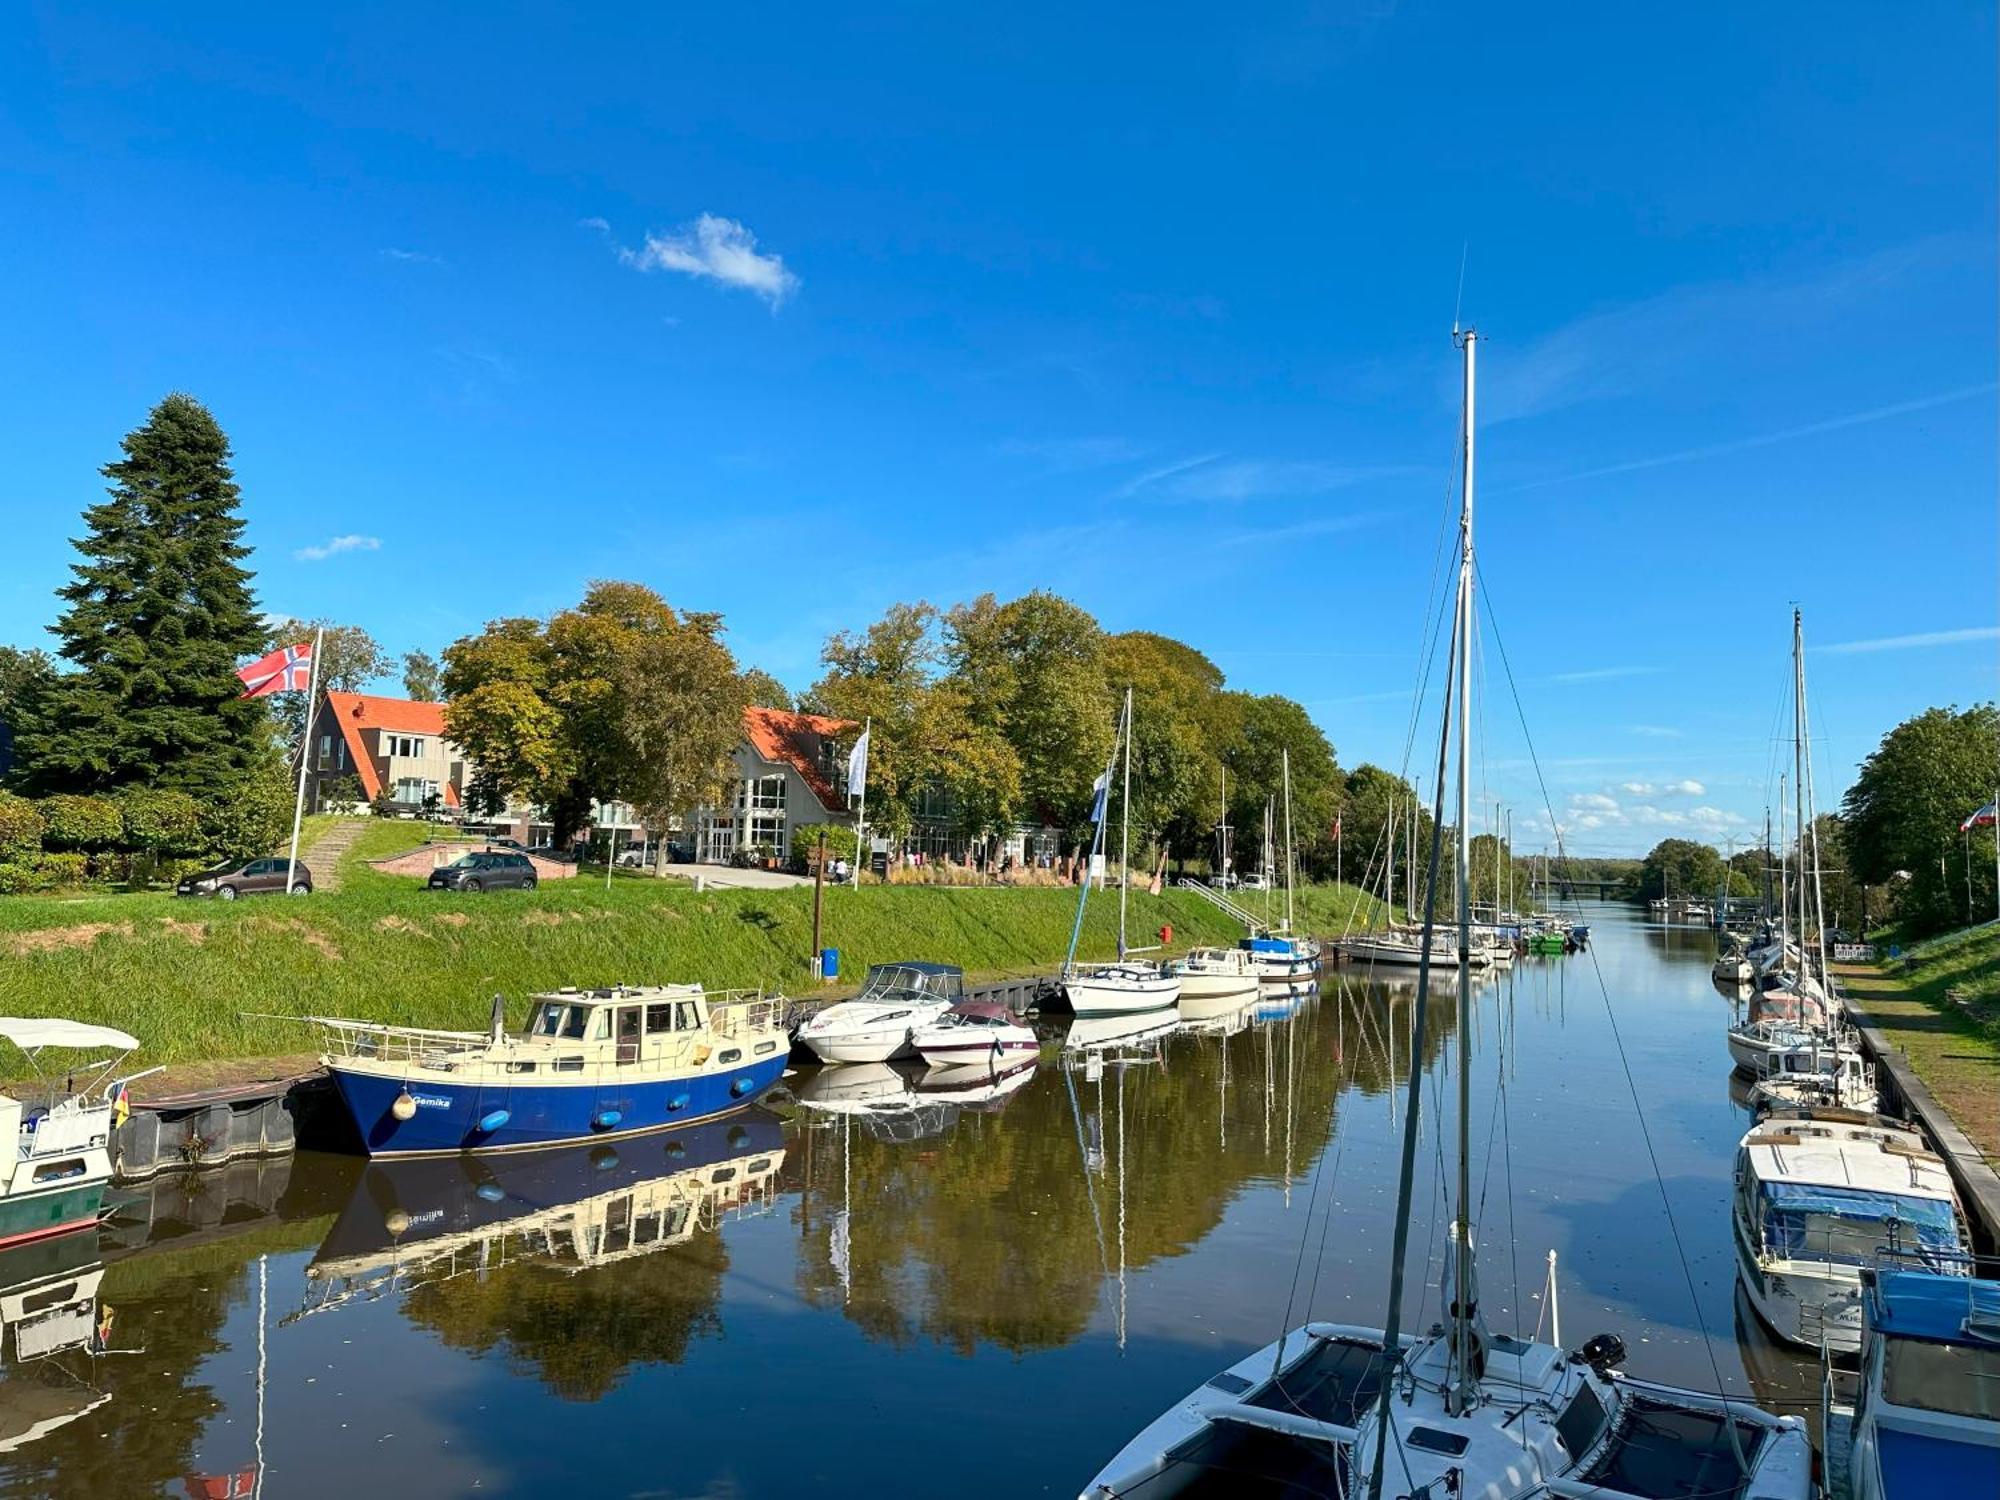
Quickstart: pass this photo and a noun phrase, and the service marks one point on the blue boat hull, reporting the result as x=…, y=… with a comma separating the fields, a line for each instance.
x=499, y=1117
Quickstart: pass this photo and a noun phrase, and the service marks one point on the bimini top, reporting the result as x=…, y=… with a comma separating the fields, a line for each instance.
x=1942, y=1309
x=30, y=1033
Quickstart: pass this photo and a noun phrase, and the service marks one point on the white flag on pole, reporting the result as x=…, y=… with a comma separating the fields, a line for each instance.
x=857, y=766
x=1100, y=793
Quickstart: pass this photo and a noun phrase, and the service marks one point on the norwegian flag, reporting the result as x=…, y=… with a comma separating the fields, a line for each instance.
x=286, y=670
x=1990, y=813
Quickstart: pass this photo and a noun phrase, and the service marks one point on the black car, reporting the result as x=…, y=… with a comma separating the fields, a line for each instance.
x=490, y=870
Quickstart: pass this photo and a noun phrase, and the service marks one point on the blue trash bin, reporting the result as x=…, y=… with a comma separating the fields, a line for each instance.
x=829, y=963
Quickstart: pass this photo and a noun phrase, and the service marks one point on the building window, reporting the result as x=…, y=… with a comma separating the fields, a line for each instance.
x=326, y=752
x=766, y=793
x=415, y=791
x=769, y=833
x=408, y=746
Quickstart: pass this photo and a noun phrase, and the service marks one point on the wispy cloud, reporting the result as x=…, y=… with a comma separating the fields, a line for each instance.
x=1683, y=788
x=1268, y=536
x=1765, y=440
x=1052, y=456
x=1211, y=478
x=334, y=546
x=412, y=257
x=716, y=249
x=1603, y=674
x=1654, y=731
x=1915, y=642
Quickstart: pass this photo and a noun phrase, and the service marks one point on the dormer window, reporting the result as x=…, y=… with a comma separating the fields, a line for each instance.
x=409, y=746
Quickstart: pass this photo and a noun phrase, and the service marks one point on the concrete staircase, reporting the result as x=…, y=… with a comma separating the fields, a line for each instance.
x=323, y=857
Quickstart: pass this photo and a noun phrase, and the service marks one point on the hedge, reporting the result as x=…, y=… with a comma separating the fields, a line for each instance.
x=81, y=823
x=21, y=829
x=157, y=822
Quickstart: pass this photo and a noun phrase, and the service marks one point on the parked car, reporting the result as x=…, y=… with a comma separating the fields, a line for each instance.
x=680, y=851
x=550, y=851
x=245, y=877
x=515, y=844
x=491, y=870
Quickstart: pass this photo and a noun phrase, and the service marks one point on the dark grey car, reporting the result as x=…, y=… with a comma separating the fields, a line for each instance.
x=253, y=877
x=490, y=870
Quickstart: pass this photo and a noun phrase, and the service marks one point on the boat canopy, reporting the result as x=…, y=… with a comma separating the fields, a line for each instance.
x=1943, y=1309
x=29, y=1033
x=1791, y=1208
x=985, y=1010
x=913, y=979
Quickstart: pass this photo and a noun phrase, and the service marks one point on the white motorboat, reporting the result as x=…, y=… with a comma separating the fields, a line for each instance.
x=1820, y=1195
x=896, y=1001
x=52, y=1180
x=984, y=1032
x=1335, y=1410
x=1919, y=1420
x=1779, y=1021
x=1215, y=982
x=1402, y=948
x=1818, y=1071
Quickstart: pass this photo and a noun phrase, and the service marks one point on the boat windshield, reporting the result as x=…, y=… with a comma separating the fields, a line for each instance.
x=1855, y=1227
x=890, y=982
x=1956, y=1378
x=555, y=1018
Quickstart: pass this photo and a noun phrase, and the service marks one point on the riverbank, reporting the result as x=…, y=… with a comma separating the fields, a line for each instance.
x=1953, y=1048
x=198, y=981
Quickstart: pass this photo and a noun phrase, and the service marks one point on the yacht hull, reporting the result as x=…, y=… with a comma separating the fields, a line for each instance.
x=1119, y=996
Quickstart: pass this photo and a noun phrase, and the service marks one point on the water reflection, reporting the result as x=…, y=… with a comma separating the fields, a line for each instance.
x=50, y=1337
x=1092, y=1232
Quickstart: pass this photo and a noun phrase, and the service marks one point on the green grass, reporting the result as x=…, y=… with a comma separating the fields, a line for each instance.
x=185, y=976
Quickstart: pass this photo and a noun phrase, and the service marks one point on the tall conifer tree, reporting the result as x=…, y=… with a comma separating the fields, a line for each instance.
x=158, y=617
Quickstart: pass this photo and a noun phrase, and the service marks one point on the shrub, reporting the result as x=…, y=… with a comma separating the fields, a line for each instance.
x=159, y=822
x=340, y=792
x=19, y=879
x=805, y=843
x=253, y=818
x=81, y=823
x=62, y=871
x=21, y=829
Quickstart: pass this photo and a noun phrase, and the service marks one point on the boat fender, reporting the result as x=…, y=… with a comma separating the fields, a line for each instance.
x=493, y=1121
x=679, y=1101
x=405, y=1107
x=396, y=1222
x=606, y=1118
x=738, y=1138
x=604, y=1158
x=742, y=1086
x=675, y=1150
x=490, y=1192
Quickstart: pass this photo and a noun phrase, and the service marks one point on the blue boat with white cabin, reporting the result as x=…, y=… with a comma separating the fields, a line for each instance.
x=590, y=1065
x=1926, y=1423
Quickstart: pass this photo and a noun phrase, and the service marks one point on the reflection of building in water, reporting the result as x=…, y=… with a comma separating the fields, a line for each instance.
x=427, y=1220
x=49, y=1330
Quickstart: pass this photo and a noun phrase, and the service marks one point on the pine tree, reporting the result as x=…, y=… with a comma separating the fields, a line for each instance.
x=158, y=618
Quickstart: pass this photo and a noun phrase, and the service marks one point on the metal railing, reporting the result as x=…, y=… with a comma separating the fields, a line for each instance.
x=1221, y=902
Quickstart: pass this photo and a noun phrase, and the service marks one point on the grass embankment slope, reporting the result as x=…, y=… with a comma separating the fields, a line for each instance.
x=188, y=977
x=1955, y=1050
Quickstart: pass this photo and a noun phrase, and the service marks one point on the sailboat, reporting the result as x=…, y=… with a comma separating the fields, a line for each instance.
x=1335, y=1410
x=1131, y=984
x=1280, y=956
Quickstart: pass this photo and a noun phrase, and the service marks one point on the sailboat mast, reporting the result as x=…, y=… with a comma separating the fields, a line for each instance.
x=1125, y=829
x=1285, y=760
x=1462, y=1290
x=1799, y=765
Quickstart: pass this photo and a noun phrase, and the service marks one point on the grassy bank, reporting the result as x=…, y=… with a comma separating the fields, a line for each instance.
x=182, y=975
x=1955, y=1051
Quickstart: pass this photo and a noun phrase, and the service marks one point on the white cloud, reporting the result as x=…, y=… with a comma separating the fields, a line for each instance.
x=1636, y=788
x=1603, y=674
x=1653, y=731
x=334, y=546
x=1593, y=802
x=1913, y=642
x=1688, y=788
x=716, y=249
x=412, y=257
x=1208, y=478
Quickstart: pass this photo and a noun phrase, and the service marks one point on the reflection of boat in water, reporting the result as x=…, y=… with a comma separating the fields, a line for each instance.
x=1099, y=1033
x=974, y=1086
x=884, y=1099
x=48, y=1307
x=1282, y=1002
x=428, y=1219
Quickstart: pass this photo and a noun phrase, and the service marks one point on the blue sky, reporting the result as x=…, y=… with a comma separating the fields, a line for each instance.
x=795, y=312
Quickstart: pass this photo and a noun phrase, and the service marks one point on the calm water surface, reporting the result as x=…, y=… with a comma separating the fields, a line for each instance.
x=888, y=1290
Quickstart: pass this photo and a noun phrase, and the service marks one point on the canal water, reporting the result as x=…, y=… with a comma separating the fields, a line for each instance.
x=895, y=1285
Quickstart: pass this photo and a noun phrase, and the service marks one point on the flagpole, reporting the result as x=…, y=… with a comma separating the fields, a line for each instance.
x=861, y=817
x=305, y=758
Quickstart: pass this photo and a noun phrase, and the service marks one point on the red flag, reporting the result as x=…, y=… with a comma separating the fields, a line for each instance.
x=286, y=670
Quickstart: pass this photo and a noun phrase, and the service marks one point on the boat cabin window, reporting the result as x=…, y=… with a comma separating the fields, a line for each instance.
x=659, y=1018
x=557, y=1019
x=685, y=1013
x=1581, y=1422
x=1853, y=1226
x=601, y=1030
x=629, y=1023
x=1955, y=1378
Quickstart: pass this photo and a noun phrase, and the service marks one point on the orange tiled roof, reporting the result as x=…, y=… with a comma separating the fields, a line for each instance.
x=796, y=740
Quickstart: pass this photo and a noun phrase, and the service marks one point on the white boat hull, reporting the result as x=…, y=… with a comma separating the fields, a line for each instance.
x=1001, y=1051
x=1109, y=994
x=1216, y=992
x=853, y=1033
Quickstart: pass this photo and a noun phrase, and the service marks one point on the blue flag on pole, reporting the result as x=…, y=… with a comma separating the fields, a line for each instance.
x=1100, y=793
